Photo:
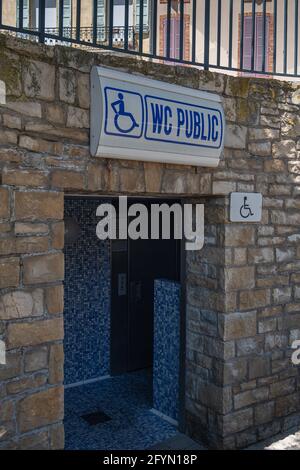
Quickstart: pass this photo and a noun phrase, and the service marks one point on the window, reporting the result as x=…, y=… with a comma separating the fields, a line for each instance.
x=25, y=13
x=175, y=36
x=67, y=14
x=101, y=35
x=258, y=43
x=145, y=13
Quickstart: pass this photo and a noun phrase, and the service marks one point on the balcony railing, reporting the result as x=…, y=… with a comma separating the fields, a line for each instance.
x=252, y=37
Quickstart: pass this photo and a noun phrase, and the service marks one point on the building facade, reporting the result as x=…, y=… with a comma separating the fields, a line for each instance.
x=275, y=40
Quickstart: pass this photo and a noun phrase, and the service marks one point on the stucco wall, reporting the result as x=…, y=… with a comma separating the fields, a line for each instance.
x=242, y=288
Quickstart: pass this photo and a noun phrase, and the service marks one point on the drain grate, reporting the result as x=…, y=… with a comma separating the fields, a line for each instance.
x=96, y=418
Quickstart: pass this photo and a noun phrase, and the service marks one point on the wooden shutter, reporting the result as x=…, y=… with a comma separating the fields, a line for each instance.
x=101, y=20
x=25, y=13
x=67, y=14
x=145, y=13
x=258, y=43
x=247, y=42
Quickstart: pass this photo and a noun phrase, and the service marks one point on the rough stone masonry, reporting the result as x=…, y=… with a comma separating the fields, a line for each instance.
x=243, y=288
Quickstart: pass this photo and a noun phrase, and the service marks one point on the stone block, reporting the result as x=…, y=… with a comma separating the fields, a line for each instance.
x=264, y=413
x=153, y=177
x=260, y=149
x=11, y=121
x=247, y=346
x=37, y=332
x=282, y=295
x=238, y=278
x=237, y=421
x=43, y=268
x=235, y=371
x=267, y=324
x=78, y=118
x=33, y=178
x=250, y=397
x=55, y=299
x=55, y=114
x=287, y=404
x=38, y=205
x=35, y=144
x=57, y=437
x=39, y=80
x=4, y=203
x=263, y=133
x=21, y=304
x=284, y=149
x=12, y=368
x=36, y=441
x=283, y=387
x=28, y=228
x=36, y=359
x=6, y=411
x=56, y=364
x=67, y=85
x=58, y=235
x=259, y=366
x=83, y=90
x=9, y=272
x=64, y=179
x=27, y=108
x=223, y=187
x=254, y=299
x=261, y=255
x=31, y=245
x=276, y=341
x=40, y=409
x=26, y=383
x=235, y=136
x=238, y=325
x=239, y=235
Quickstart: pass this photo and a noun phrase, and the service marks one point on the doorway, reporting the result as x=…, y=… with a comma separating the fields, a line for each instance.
x=122, y=334
x=136, y=264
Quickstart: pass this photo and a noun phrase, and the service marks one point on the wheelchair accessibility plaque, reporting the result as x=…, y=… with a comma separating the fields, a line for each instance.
x=137, y=118
x=245, y=207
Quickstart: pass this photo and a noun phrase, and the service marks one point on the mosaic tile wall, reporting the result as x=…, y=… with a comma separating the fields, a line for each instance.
x=166, y=347
x=87, y=296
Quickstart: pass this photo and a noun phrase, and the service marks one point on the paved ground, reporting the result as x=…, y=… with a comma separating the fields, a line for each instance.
x=127, y=400
x=287, y=441
x=178, y=442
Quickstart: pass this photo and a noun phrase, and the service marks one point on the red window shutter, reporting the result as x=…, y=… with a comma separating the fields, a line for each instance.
x=247, y=42
x=258, y=43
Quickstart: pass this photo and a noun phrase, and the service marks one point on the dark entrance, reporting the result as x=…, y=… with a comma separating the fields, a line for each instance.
x=135, y=266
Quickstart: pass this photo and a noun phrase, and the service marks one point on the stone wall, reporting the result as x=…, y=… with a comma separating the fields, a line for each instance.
x=243, y=288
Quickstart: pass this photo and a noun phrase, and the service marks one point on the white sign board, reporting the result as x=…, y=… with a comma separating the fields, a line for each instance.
x=134, y=117
x=245, y=207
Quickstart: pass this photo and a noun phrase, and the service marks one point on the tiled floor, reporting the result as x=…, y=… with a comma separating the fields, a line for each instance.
x=127, y=400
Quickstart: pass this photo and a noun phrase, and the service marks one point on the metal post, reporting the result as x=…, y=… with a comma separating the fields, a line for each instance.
x=206, y=34
x=42, y=12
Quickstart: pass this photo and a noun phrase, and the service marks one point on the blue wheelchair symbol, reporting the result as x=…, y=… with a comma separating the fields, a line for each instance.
x=124, y=121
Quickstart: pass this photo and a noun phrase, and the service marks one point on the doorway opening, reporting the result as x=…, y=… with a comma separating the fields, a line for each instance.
x=124, y=342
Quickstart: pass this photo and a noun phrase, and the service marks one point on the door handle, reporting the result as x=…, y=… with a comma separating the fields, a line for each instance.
x=136, y=291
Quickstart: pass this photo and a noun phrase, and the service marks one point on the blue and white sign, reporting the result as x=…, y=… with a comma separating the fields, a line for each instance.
x=245, y=207
x=137, y=118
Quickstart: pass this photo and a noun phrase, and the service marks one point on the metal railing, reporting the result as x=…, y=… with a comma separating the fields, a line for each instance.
x=252, y=37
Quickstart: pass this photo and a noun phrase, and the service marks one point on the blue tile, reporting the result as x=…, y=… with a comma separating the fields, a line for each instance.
x=87, y=296
x=127, y=399
x=166, y=347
